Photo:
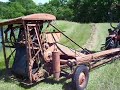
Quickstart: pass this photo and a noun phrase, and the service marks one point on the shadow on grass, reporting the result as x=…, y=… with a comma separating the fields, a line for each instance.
x=6, y=77
x=9, y=78
x=66, y=86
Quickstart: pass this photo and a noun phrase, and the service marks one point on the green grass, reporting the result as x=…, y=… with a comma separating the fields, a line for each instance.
x=104, y=78
x=102, y=33
x=2, y=62
x=42, y=86
x=79, y=33
x=2, y=65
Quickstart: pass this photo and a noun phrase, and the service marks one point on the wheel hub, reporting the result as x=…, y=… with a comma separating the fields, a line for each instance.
x=81, y=79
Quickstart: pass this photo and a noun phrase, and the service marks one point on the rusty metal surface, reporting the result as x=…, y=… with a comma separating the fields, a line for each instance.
x=42, y=16
x=105, y=60
x=19, y=20
x=62, y=50
x=50, y=39
x=56, y=65
x=95, y=56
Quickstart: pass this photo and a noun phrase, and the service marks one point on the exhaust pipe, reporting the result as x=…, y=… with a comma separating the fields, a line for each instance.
x=56, y=65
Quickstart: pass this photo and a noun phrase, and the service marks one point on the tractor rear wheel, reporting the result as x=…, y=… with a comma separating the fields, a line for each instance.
x=110, y=43
x=80, y=77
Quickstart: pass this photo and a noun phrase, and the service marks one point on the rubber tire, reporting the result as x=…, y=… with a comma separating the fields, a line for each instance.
x=110, y=42
x=75, y=79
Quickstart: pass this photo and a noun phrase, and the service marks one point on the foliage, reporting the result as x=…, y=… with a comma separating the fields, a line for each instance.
x=59, y=8
x=15, y=9
x=92, y=10
x=72, y=10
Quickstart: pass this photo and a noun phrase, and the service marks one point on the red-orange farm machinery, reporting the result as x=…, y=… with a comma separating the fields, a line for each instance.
x=38, y=55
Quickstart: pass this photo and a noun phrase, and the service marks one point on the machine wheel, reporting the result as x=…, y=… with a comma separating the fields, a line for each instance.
x=110, y=43
x=80, y=77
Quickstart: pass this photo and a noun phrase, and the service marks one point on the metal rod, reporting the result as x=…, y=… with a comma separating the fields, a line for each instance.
x=67, y=37
x=94, y=56
x=37, y=37
x=39, y=40
x=4, y=50
x=36, y=54
x=28, y=52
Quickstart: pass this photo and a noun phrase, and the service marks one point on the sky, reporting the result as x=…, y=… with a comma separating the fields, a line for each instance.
x=36, y=1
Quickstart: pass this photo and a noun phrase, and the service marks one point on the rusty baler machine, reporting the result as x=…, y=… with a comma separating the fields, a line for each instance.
x=38, y=54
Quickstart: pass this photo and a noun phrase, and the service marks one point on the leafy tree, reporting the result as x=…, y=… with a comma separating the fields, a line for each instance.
x=75, y=10
x=14, y=9
x=59, y=8
x=29, y=5
x=91, y=10
x=2, y=9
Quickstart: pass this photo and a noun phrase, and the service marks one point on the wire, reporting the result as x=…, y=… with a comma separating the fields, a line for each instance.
x=69, y=38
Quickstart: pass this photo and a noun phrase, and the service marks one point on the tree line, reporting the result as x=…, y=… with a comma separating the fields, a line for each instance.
x=72, y=10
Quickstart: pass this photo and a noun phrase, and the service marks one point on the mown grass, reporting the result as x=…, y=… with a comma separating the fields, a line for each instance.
x=104, y=78
x=102, y=34
x=79, y=33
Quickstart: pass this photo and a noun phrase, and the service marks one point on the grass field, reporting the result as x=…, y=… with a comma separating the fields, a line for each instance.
x=104, y=78
x=79, y=33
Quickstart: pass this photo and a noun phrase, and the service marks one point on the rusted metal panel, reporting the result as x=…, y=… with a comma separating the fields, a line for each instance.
x=50, y=39
x=42, y=16
x=11, y=21
x=38, y=17
x=63, y=50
